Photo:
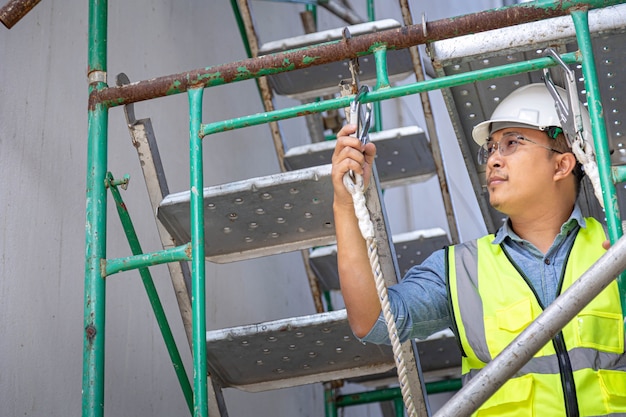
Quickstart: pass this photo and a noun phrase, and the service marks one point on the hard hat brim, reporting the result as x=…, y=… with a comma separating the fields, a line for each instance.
x=480, y=133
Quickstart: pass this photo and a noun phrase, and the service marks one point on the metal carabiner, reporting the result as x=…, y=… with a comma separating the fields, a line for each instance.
x=361, y=115
x=569, y=114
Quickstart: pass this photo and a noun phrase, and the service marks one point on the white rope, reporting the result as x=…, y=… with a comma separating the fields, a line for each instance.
x=355, y=188
x=584, y=153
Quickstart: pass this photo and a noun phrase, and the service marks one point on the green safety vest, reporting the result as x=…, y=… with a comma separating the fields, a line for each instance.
x=588, y=353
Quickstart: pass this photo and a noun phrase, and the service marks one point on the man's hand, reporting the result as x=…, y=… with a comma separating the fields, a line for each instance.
x=350, y=154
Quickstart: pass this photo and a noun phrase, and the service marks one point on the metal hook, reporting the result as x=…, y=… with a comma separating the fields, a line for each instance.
x=361, y=115
x=353, y=63
x=569, y=114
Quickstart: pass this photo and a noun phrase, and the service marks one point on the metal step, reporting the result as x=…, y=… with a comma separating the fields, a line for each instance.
x=259, y=216
x=292, y=210
x=472, y=103
x=320, y=80
x=310, y=349
x=411, y=249
x=403, y=156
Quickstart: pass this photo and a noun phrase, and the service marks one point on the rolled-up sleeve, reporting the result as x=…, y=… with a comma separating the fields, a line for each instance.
x=419, y=303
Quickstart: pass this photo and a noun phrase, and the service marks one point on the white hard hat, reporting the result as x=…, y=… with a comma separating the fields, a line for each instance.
x=529, y=106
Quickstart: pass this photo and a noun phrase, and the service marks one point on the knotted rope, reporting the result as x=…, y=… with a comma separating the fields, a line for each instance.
x=584, y=154
x=356, y=189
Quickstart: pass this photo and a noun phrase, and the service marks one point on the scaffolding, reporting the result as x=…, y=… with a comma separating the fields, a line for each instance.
x=187, y=224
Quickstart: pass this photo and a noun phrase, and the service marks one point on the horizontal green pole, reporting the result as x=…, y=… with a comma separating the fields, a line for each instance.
x=389, y=394
x=619, y=173
x=387, y=93
x=151, y=291
x=177, y=254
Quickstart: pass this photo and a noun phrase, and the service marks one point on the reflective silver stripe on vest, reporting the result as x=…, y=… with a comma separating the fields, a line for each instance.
x=581, y=358
x=466, y=256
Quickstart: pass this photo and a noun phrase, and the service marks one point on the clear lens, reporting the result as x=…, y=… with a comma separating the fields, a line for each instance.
x=506, y=146
x=485, y=151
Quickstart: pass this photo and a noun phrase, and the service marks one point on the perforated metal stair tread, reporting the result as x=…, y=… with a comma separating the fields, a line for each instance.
x=324, y=79
x=259, y=216
x=403, y=156
x=472, y=103
x=307, y=349
x=411, y=249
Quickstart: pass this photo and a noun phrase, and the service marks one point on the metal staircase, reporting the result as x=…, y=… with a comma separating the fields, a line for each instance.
x=292, y=210
x=287, y=212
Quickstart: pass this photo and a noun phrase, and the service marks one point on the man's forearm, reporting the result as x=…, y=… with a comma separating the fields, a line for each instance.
x=355, y=274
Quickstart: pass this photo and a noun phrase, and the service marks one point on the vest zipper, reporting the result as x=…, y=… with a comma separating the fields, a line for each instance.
x=565, y=365
x=567, y=376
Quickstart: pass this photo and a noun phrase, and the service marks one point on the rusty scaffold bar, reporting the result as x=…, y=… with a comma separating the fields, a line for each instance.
x=338, y=50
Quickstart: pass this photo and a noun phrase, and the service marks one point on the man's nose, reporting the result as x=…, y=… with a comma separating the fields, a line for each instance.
x=495, y=159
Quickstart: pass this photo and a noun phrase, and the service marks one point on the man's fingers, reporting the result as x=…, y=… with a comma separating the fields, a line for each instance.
x=347, y=130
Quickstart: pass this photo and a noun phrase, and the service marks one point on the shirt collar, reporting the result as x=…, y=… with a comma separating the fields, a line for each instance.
x=575, y=219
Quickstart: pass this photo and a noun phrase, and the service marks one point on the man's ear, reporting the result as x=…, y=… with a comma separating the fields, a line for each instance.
x=565, y=164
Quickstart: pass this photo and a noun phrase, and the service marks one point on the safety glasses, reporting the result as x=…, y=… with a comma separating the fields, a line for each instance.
x=507, y=145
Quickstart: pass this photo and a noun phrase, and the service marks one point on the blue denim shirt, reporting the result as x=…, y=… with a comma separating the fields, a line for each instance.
x=420, y=301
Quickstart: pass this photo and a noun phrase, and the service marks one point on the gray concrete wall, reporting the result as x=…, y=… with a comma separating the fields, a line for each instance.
x=43, y=131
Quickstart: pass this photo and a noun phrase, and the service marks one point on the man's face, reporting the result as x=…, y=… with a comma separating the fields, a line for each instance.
x=520, y=179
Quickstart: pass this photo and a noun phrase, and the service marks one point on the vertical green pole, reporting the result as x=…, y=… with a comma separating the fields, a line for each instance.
x=370, y=10
x=382, y=76
x=241, y=26
x=378, y=116
x=398, y=405
x=329, y=400
x=600, y=137
x=95, y=225
x=198, y=296
x=313, y=9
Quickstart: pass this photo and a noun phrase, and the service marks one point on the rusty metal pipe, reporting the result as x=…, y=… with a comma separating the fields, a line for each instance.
x=14, y=10
x=337, y=50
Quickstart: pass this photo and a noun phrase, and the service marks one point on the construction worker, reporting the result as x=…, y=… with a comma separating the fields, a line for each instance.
x=490, y=289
